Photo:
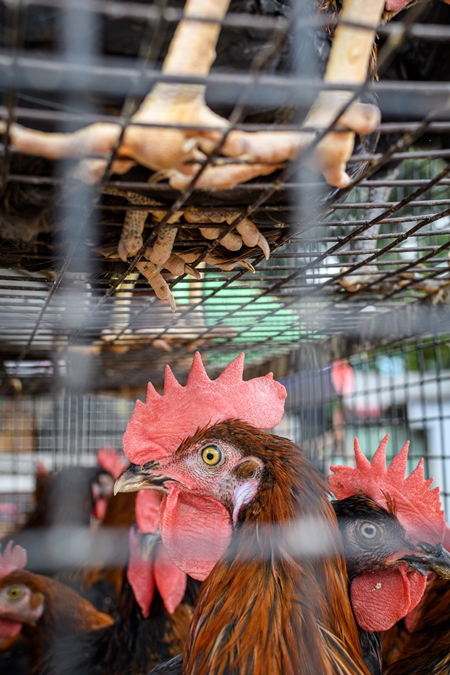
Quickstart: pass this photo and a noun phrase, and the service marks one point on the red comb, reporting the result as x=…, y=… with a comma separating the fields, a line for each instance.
x=112, y=461
x=13, y=558
x=417, y=507
x=159, y=425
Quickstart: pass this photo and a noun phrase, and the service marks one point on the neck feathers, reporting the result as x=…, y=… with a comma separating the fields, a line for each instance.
x=263, y=609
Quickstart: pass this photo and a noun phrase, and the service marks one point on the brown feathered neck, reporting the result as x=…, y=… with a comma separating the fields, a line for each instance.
x=262, y=610
x=65, y=612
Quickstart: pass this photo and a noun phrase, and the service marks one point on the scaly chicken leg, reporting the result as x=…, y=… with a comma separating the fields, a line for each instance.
x=192, y=52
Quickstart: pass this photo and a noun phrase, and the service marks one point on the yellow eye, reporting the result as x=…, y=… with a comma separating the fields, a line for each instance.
x=211, y=455
x=14, y=593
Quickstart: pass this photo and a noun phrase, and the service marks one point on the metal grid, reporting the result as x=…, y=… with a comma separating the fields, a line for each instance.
x=52, y=432
x=401, y=389
x=366, y=264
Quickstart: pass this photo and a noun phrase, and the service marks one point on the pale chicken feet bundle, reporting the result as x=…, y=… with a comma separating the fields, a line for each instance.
x=183, y=105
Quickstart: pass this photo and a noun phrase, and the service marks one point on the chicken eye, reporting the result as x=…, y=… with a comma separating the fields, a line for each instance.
x=211, y=455
x=15, y=593
x=368, y=530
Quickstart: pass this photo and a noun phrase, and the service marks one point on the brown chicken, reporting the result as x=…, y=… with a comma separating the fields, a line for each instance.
x=263, y=608
x=40, y=610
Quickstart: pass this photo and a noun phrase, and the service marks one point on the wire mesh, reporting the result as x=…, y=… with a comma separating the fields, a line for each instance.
x=342, y=262
x=401, y=390
x=350, y=310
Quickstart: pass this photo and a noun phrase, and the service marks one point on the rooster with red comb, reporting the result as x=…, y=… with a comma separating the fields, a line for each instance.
x=230, y=494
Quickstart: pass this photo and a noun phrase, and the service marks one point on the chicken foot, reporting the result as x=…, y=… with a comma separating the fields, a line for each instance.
x=191, y=52
x=248, y=233
x=178, y=104
x=348, y=64
x=160, y=255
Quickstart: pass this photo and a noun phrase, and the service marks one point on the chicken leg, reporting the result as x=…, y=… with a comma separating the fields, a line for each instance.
x=192, y=51
x=348, y=64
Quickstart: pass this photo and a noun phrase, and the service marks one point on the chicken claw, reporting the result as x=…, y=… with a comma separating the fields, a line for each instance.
x=248, y=232
x=131, y=239
x=154, y=277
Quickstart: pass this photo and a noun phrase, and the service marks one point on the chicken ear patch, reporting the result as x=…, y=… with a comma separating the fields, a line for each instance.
x=383, y=597
x=158, y=426
x=195, y=530
x=417, y=507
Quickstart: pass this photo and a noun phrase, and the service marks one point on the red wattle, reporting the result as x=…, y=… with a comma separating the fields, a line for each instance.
x=195, y=531
x=147, y=507
x=381, y=598
x=140, y=574
x=9, y=629
x=170, y=581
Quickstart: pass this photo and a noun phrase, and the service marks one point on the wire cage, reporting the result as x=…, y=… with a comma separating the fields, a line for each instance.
x=342, y=293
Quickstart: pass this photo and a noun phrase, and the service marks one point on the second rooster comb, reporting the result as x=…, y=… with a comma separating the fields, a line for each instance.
x=158, y=426
x=417, y=506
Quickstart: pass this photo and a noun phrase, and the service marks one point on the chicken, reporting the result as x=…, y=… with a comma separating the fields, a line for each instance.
x=381, y=598
x=261, y=609
x=40, y=609
x=242, y=484
x=265, y=605
x=66, y=499
x=373, y=539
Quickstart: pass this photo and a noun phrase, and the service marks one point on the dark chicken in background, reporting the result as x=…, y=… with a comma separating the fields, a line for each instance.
x=132, y=646
x=373, y=538
x=133, y=640
x=65, y=499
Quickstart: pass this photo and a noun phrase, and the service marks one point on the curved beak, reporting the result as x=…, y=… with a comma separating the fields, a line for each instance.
x=430, y=558
x=140, y=478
